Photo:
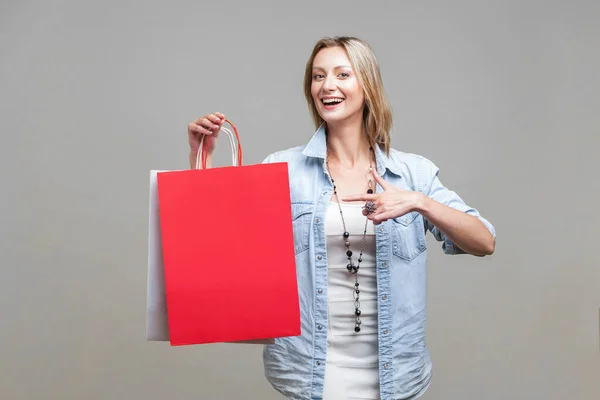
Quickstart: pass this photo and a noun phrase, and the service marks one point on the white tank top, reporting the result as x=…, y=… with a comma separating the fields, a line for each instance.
x=351, y=367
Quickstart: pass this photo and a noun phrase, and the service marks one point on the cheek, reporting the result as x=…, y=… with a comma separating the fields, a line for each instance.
x=360, y=94
x=314, y=90
x=356, y=92
x=358, y=99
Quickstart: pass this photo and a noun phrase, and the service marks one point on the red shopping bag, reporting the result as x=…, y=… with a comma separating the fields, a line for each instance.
x=228, y=252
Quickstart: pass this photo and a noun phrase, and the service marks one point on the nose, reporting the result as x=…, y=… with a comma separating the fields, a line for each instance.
x=329, y=83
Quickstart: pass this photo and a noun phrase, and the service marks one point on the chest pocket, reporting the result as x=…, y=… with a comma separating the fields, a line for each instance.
x=408, y=236
x=302, y=214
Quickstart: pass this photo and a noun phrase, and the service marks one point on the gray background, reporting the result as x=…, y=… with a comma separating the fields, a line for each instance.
x=503, y=96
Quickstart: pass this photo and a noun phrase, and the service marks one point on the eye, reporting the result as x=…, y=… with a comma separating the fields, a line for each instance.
x=318, y=76
x=345, y=75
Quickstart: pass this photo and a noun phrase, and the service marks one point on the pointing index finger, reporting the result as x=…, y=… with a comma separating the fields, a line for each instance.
x=360, y=197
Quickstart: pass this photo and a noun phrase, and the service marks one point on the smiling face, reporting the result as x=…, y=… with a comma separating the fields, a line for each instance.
x=343, y=87
x=335, y=87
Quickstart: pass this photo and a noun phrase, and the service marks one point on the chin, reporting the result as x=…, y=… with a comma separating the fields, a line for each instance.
x=336, y=116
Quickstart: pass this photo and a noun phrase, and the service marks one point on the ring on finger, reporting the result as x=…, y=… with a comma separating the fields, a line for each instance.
x=370, y=207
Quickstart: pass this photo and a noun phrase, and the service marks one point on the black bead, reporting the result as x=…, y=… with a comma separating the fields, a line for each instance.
x=360, y=260
x=357, y=291
x=357, y=329
x=356, y=284
x=370, y=191
x=349, y=253
x=346, y=234
x=357, y=312
x=350, y=266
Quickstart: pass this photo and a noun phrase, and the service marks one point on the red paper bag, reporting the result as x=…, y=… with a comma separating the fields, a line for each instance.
x=228, y=252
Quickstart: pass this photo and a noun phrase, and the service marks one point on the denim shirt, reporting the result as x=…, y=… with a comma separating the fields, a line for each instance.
x=295, y=366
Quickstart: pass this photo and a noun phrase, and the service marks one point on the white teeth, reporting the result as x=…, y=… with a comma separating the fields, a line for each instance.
x=332, y=101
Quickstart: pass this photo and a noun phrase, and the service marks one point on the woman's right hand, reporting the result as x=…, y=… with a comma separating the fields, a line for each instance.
x=208, y=125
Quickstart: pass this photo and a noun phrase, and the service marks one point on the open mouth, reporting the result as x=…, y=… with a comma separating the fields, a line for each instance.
x=332, y=102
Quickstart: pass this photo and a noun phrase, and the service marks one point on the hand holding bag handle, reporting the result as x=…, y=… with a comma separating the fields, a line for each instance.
x=236, y=147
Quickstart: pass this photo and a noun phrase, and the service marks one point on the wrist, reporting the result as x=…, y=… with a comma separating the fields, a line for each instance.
x=195, y=156
x=422, y=203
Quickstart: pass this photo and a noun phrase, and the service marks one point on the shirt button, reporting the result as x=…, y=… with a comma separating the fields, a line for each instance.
x=384, y=297
x=320, y=291
x=385, y=331
x=386, y=366
x=324, y=193
x=381, y=229
x=319, y=327
x=317, y=220
x=319, y=257
x=384, y=264
x=318, y=362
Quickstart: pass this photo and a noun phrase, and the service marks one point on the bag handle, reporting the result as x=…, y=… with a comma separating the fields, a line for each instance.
x=236, y=147
x=201, y=156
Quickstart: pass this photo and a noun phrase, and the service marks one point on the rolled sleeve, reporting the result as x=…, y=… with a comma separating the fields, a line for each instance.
x=434, y=189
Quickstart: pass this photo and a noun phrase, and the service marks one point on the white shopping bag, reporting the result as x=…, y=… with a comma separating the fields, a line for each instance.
x=157, y=326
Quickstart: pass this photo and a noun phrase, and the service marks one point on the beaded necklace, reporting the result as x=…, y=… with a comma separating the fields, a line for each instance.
x=352, y=267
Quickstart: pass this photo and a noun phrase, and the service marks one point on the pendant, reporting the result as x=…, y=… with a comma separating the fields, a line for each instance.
x=353, y=269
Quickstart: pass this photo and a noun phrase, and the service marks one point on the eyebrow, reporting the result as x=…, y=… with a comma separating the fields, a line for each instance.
x=336, y=67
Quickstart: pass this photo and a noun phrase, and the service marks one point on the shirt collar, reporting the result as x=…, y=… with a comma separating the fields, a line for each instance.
x=317, y=147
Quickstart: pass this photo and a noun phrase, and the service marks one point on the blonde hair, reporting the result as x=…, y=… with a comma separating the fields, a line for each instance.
x=377, y=116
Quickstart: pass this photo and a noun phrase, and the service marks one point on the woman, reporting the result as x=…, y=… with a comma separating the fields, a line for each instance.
x=360, y=213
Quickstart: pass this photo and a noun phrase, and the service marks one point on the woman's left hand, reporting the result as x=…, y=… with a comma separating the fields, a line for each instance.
x=391, y=203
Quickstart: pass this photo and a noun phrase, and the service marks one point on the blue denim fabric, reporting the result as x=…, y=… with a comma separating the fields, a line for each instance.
x=295, y=366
